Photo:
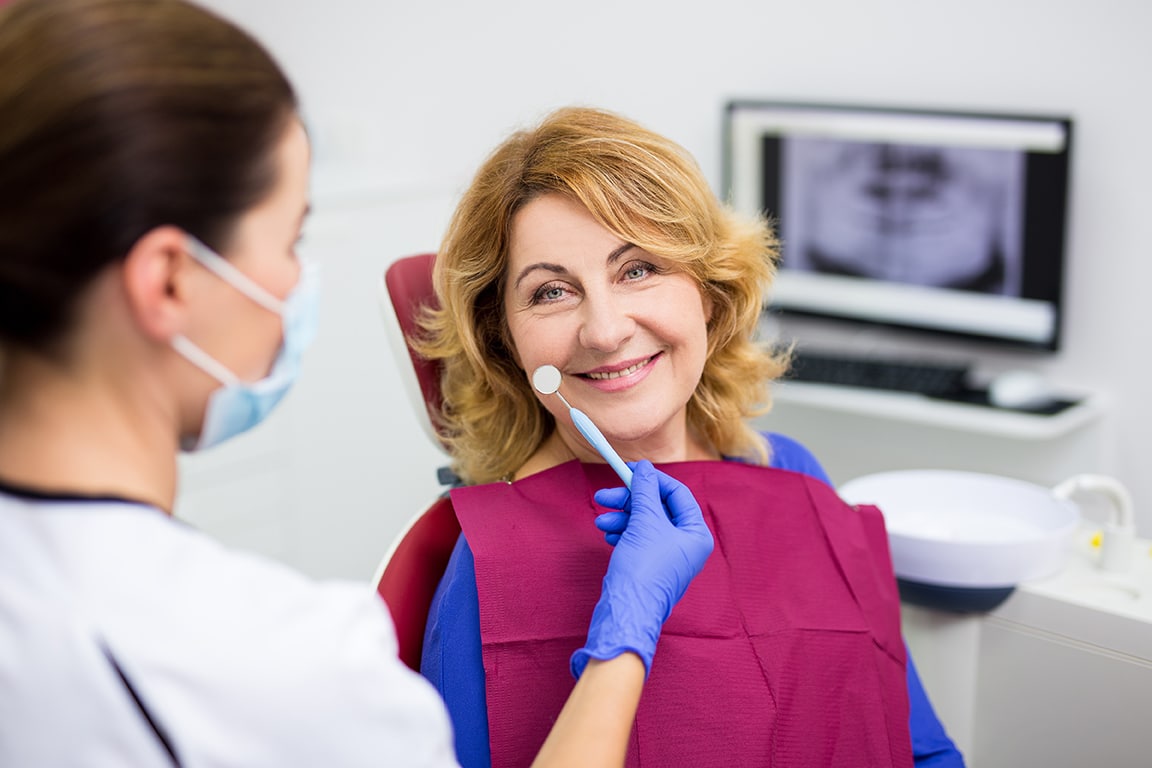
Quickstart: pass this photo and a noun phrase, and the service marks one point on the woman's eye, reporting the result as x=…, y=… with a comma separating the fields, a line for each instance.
x=638, y=271
x=548, y=293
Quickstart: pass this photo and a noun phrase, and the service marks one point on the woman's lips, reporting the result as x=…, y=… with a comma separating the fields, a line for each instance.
x=611, y=379
x=601, y=375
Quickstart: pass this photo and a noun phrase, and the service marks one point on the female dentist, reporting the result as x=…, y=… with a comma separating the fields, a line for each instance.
x=153, y=182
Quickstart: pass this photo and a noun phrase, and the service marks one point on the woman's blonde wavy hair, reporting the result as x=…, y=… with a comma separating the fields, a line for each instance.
x=648, y=191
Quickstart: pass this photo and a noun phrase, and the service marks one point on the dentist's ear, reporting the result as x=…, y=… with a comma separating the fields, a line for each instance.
x=155, y=275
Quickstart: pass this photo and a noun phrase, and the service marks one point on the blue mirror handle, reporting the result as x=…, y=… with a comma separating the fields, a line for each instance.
x=600, y=443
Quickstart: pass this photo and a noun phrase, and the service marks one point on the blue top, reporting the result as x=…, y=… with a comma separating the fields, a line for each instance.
x=453, y=662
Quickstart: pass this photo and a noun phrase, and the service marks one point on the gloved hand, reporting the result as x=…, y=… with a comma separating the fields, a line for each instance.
x=661, y=545
x=612, y=523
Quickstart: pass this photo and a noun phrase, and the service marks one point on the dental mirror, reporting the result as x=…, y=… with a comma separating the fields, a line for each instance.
x=546, y=380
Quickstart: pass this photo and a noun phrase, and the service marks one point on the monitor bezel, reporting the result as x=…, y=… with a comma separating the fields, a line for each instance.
x=1045, y=197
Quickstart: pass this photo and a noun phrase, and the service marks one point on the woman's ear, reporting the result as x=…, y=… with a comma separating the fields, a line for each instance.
x=506, y=339
x=155, y=281
x=709, y=304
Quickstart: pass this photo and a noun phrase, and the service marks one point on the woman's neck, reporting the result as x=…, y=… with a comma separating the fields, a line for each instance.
x=564, y=445
x=84, y=433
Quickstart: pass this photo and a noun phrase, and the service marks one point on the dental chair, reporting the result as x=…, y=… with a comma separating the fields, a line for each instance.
x=411, y=569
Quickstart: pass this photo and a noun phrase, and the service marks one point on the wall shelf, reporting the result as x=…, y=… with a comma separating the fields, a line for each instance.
x=930, y=412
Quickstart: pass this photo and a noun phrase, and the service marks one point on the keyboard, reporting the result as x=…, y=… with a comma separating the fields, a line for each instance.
x=931, y=378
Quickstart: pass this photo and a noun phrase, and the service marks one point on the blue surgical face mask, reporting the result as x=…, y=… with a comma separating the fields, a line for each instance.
x=237, y=405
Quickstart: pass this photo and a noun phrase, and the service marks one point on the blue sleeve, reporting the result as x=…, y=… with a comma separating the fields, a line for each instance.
x=931, y=746
x=452, y=659
x=791, y=455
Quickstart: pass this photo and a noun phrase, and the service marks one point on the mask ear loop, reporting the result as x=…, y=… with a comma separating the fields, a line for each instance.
x=202, y=360
x=223, y=269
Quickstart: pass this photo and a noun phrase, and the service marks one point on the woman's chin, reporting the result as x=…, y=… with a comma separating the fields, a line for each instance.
x=654, y=445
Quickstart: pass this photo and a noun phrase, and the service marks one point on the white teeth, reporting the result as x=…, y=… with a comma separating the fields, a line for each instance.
x=617, y=374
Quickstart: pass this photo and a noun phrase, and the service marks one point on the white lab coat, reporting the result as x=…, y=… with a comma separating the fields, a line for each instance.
x=235, y=660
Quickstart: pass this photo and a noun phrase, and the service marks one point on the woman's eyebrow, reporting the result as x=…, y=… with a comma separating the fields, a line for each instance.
x=616, y=254
x=547, y=266
x=560, y=270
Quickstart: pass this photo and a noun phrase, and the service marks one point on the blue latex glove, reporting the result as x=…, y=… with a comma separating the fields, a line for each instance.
x=612, y=523
x=660, y=548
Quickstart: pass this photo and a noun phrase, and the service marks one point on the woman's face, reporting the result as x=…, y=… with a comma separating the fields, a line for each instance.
x=626, y=328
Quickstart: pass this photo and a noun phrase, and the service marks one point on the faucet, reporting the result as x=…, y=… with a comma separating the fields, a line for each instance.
x=1118, y=540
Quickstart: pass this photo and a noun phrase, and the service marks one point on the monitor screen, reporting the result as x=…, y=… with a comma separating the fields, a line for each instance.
x=934, y=221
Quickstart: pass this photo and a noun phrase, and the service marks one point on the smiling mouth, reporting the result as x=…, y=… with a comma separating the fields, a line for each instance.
x=604, y=375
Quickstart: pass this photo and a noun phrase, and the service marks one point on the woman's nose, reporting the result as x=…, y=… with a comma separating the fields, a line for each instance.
x=605, y=325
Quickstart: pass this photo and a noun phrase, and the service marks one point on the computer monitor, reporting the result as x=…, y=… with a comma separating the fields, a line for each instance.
x=936, y=221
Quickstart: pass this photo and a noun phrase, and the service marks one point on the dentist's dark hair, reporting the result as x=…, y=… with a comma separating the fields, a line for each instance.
x=116, y=117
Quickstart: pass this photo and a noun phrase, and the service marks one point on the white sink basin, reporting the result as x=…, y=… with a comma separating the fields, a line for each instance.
x=968, y=531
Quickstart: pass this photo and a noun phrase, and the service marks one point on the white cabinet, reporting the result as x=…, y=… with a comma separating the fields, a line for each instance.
x=1047, y=679
x=1061, y=684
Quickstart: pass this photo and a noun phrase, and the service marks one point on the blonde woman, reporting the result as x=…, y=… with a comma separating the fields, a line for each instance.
x=595, y=245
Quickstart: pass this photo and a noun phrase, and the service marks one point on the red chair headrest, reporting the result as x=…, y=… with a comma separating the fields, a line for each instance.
x=407, y=287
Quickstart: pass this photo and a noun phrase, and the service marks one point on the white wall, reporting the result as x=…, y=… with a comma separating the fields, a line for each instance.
x=405, y=99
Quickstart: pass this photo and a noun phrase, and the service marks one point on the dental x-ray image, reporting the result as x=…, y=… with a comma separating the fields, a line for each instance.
x=938, y=216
